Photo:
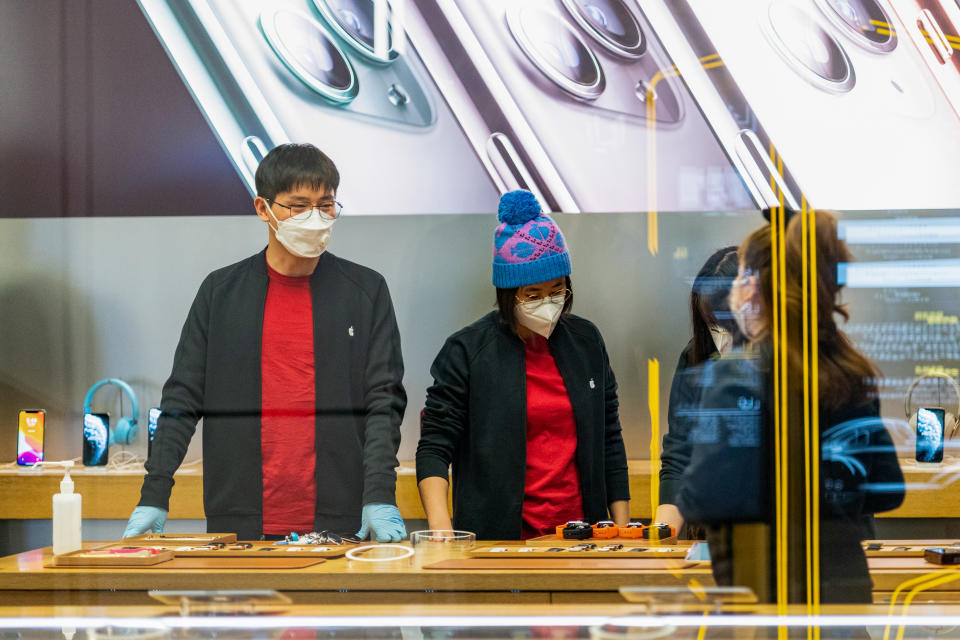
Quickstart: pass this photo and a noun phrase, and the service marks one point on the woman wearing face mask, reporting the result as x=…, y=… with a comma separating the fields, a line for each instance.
x=730, y=476
x=524, y=403
x=714, y=332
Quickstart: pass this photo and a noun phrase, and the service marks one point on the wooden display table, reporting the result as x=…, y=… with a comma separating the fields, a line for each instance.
x=28, y=579
x=25, y=494
x=22, y=576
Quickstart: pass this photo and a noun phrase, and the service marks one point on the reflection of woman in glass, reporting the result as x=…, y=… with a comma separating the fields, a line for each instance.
x=524, y=403
x=729, y=478
x=713, y=333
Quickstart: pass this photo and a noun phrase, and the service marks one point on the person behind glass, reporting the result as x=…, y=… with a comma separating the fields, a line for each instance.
x=292, y=358
x=730, y=476
x=523, y=404
x=714, y=333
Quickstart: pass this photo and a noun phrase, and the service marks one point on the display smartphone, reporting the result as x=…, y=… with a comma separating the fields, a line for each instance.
x=829, y=92
x=30, y=436
x=153, y=416
x=577, y=101
x=96, y=439
x=930, y=431
x=266, y=72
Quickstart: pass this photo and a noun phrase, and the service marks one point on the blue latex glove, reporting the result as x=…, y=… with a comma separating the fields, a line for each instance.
x=382, y=522
x=145, y=519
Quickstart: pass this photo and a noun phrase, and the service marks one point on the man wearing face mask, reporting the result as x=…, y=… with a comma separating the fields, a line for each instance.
x=292, y=358
x=524, y=403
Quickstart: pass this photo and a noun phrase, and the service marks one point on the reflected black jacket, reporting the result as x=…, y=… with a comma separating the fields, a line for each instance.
x=675, y=455
x=730, y=475
x=360, y=398
x=476, y=414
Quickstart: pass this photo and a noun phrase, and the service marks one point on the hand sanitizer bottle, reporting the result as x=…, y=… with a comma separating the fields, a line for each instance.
x=66, y=517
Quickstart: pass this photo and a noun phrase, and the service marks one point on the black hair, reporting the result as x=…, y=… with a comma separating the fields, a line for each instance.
x=507, y=300
x=292, y=165
x=708, y=301
x=787, y=213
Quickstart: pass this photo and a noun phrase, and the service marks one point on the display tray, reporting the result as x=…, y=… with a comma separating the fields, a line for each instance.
x=552, y=540
x=239, y=549
x=243, y=564
x=182, y=538
x=585, y=564
x=903, y=548
x=112, y=557
x=629, y=550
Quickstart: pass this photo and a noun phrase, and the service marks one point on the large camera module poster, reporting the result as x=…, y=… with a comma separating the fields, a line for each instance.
x=432, y=106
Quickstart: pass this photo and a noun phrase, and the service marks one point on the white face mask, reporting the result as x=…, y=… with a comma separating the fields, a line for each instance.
x=743, y=315
x=306, y=238
x=722, y=340
x=541, y=318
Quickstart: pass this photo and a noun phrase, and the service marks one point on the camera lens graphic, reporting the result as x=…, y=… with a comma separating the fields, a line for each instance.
x=611, y=24
x=309, y=52
x=863, y=21
x=352, y=20
x=557, y=51
x=812, y=52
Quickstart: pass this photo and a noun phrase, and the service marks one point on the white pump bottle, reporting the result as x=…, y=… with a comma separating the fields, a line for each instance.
x=66, y=516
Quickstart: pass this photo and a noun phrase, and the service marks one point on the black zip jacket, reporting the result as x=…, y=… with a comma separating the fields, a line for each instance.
x=476, y=413
x=730, y=475
x=360, y=398
x=675, y=454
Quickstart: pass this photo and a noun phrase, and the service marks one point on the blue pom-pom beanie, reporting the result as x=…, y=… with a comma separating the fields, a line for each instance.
x=528, y=247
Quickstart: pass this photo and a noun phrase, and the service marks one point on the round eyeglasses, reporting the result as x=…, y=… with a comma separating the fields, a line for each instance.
x=536, y=300
x=329, y=210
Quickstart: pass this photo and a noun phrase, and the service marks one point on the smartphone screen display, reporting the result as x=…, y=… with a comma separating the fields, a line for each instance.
x=930, y=435
x=153, y=416
x=30, y=436
x=96, y=433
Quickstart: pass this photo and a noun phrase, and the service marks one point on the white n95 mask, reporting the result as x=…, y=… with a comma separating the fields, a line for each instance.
x=722, y=339
x=306, y=237
x=540, y=317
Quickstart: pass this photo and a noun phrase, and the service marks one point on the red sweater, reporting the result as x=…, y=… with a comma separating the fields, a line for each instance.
x=552, y=491
x=288, y=422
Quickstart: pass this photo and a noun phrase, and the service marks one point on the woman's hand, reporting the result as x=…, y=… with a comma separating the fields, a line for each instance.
x=669, y=514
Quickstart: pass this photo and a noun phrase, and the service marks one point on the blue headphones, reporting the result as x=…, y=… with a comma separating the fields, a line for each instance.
x=126, y=428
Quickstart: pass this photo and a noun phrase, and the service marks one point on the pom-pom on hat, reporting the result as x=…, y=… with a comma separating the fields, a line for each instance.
x=527, y=245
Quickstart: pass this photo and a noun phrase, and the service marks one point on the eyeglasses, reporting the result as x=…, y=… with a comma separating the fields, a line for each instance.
x=535, y=300
x=328, y=209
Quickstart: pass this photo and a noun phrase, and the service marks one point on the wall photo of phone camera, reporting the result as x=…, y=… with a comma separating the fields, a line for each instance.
x=268, y=72
x=820, y=77
x=30, y=430
x=581, y=98
x=930, y=433
x=96, y=439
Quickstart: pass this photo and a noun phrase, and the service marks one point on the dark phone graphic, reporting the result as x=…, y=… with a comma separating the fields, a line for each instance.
x=96, y=434
x=930, y=435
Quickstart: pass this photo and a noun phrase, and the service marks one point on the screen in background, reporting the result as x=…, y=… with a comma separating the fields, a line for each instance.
x=30, y=437
x=96, y=431
x=930, y=435
x=153, y=417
